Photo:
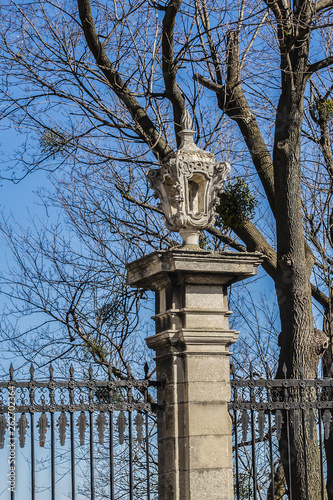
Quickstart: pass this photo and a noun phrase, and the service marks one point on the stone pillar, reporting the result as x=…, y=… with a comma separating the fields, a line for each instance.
x=192, y=358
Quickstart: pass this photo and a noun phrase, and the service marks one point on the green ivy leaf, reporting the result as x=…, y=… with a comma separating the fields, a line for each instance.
x=236, y=203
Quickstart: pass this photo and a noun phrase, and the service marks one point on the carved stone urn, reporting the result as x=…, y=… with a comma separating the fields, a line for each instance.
x=188, y=184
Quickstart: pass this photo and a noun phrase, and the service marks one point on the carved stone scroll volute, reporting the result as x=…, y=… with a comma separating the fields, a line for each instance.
x=188, y=185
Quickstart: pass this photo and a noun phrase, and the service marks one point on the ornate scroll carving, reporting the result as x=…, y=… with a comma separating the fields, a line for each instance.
x=188, y=185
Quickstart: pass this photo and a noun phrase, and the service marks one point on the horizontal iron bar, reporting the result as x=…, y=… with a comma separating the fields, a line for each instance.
x=38, y=408
x=290, y=382
x=51, y=384
x=279, y=405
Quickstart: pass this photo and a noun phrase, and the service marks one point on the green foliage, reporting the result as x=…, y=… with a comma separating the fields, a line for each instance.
x=236, y=203
x=94, y=347
x=326, y=110
x=204, y=242
x=53, y=142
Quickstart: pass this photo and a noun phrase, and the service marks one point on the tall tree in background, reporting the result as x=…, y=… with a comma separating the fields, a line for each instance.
x=100, y=90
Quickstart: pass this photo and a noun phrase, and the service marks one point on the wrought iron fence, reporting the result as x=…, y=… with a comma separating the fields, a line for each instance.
x=269, y=417
x=83, y=438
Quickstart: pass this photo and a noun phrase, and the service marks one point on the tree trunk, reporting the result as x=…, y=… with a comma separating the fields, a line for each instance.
x=327, y=364
x=294, y=269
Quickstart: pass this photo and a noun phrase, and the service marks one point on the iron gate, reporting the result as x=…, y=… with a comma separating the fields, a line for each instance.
x=269, y=412
x=100, y=433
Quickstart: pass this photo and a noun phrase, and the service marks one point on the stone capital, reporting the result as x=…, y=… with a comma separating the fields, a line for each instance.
x=188, y=265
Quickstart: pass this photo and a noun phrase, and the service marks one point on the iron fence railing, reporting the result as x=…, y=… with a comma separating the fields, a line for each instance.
x=83, y=438
x=269, y=412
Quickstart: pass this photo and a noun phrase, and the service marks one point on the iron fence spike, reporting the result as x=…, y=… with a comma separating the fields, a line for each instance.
x=278, y=424
x=268, y=372
x=71, y=370
x=301, y=371
x=245, y=424
x=284, y=369
x=327, y=423
x=22, y=426
x=110, y=370
x=138, y=421
x=82, y=423
x=311, y=419
x=146, y=369
x=121, y=424
x=11, y=371
x=32, y=371
x=101, y=425
x=51, y=371
x=62, y=424
x=90, y=371
x=3, y=427
x=42, y=425
x=261, y=424
x=232, y=369
x=251, y=370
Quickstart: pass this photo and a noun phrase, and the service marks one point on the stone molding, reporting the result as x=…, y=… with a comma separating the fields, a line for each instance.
x=153, y=271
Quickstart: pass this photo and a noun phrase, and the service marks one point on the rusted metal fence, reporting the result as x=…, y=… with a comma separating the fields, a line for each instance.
x=99, y=433
x=269, y=417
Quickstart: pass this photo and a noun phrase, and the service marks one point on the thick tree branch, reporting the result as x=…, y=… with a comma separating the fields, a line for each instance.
x=145, y=127
x=169, y=67
x=255, y=242
x=232, y=101
x=323, y=4
x=205, y=82
x=214, y=54
x=282, y=14
x=227, y=239
x=324, y=63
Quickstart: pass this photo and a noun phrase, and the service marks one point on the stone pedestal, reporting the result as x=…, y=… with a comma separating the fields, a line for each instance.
x=192, y=358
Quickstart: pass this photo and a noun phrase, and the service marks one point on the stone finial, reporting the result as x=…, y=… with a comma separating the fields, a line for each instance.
x=186, y=120
x=188, y=184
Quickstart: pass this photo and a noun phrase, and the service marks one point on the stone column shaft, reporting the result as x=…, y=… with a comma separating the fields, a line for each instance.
x=192, y=359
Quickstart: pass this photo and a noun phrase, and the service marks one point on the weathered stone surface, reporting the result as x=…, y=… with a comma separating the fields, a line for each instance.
x=158, y=269
x=192, y=360
x=188, y=184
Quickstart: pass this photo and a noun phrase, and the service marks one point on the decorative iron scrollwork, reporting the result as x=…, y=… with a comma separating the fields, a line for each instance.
x=62, y=425
x=121, y=424
x=101, y=425
x=139, y=427
x=82, y=423
x=22, y=426
x=42, y=425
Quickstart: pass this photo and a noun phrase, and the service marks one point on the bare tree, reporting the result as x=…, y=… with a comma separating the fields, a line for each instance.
x=100, y=89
